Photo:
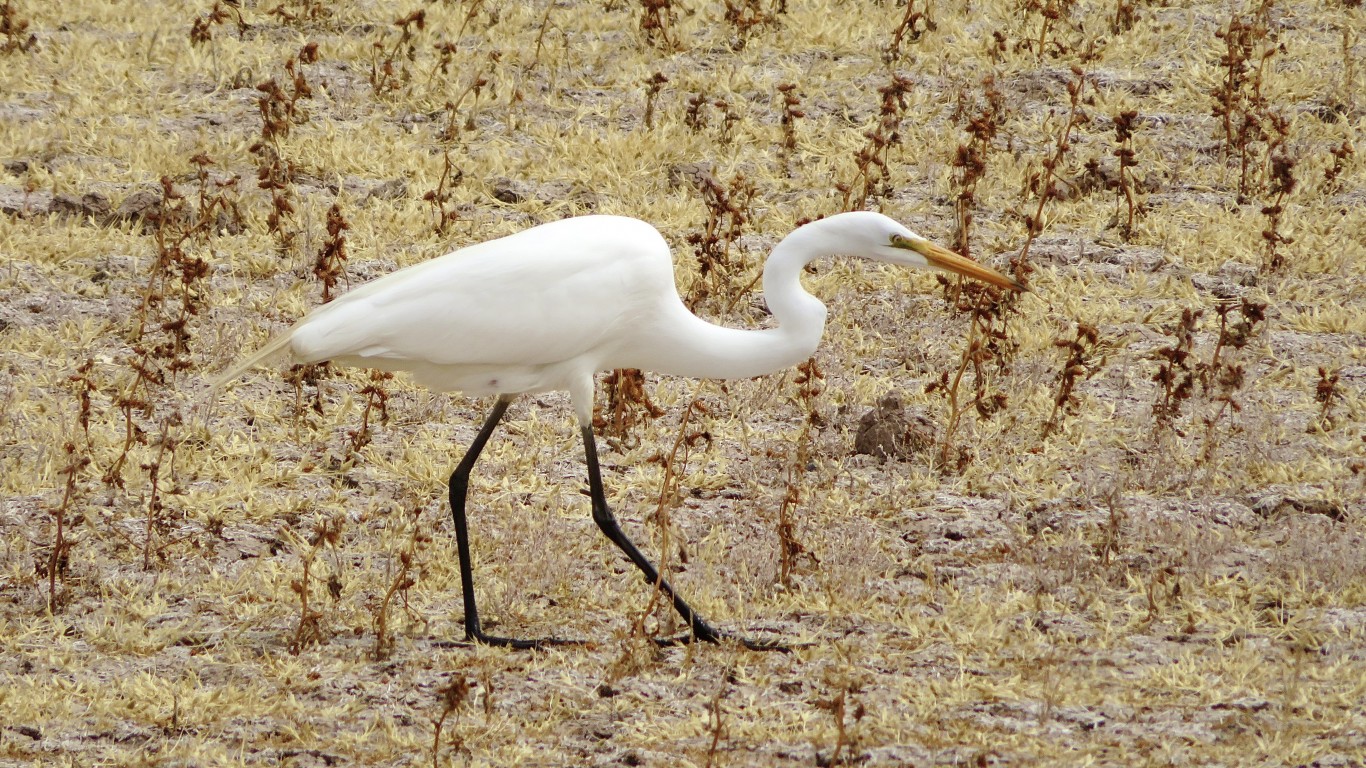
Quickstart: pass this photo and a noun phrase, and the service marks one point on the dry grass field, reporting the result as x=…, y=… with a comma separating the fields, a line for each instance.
x=1123, y=519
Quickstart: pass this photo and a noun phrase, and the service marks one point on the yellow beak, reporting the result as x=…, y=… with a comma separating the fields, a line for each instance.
x=942, y=258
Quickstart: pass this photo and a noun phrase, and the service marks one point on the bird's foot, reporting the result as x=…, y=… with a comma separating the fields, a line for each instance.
x=715, y=636
x=512, y=642
x=479, y=637
x=704, y=633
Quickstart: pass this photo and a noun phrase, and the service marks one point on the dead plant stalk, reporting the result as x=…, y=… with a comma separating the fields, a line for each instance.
x=675, y=466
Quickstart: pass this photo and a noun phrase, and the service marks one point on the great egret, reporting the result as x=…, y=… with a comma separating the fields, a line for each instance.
x=547, y=308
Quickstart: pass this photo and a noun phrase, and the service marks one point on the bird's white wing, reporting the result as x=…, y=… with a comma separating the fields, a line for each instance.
x=541, y=296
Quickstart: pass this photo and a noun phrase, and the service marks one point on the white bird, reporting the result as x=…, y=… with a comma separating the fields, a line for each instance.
x=547, y=308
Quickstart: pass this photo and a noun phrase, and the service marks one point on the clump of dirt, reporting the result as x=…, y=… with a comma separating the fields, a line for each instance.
x=887, y=431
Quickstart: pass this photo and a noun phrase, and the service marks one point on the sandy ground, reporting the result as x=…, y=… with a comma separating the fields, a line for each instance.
x=1151, y=574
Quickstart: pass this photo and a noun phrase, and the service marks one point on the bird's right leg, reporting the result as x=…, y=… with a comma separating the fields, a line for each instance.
x=607, y=522
x=459, y=488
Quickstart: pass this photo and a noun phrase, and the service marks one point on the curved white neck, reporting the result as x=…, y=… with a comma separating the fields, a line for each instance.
x=686, y=345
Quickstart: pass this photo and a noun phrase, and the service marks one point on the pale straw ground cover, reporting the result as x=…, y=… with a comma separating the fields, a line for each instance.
x=1165, y=569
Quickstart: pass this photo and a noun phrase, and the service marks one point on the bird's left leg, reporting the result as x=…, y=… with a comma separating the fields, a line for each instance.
x=602, y=515
x=459, y=490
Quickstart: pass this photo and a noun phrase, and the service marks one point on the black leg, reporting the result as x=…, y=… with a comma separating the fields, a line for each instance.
x=459, y=488
x=602, y=515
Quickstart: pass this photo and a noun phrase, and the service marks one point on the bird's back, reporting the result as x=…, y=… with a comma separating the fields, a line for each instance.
x=513, y=308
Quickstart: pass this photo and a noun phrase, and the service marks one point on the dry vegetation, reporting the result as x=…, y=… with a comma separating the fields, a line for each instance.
x=1118, y=521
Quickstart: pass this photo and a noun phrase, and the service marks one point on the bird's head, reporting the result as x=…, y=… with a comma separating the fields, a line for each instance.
x=880, y=238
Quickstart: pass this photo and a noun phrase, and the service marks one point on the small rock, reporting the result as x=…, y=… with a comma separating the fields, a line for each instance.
x=1239, y=273
x=91, y=204
x=888, y=432
x=508, y=191
x=228, y=225
x=244, y=78
x=1273, y=504
x=1329, y=509
x=695, y=175
x=28, y=730
x=389, y=190
x=1230, y=281
x=1245, y=704
x=144, y=205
